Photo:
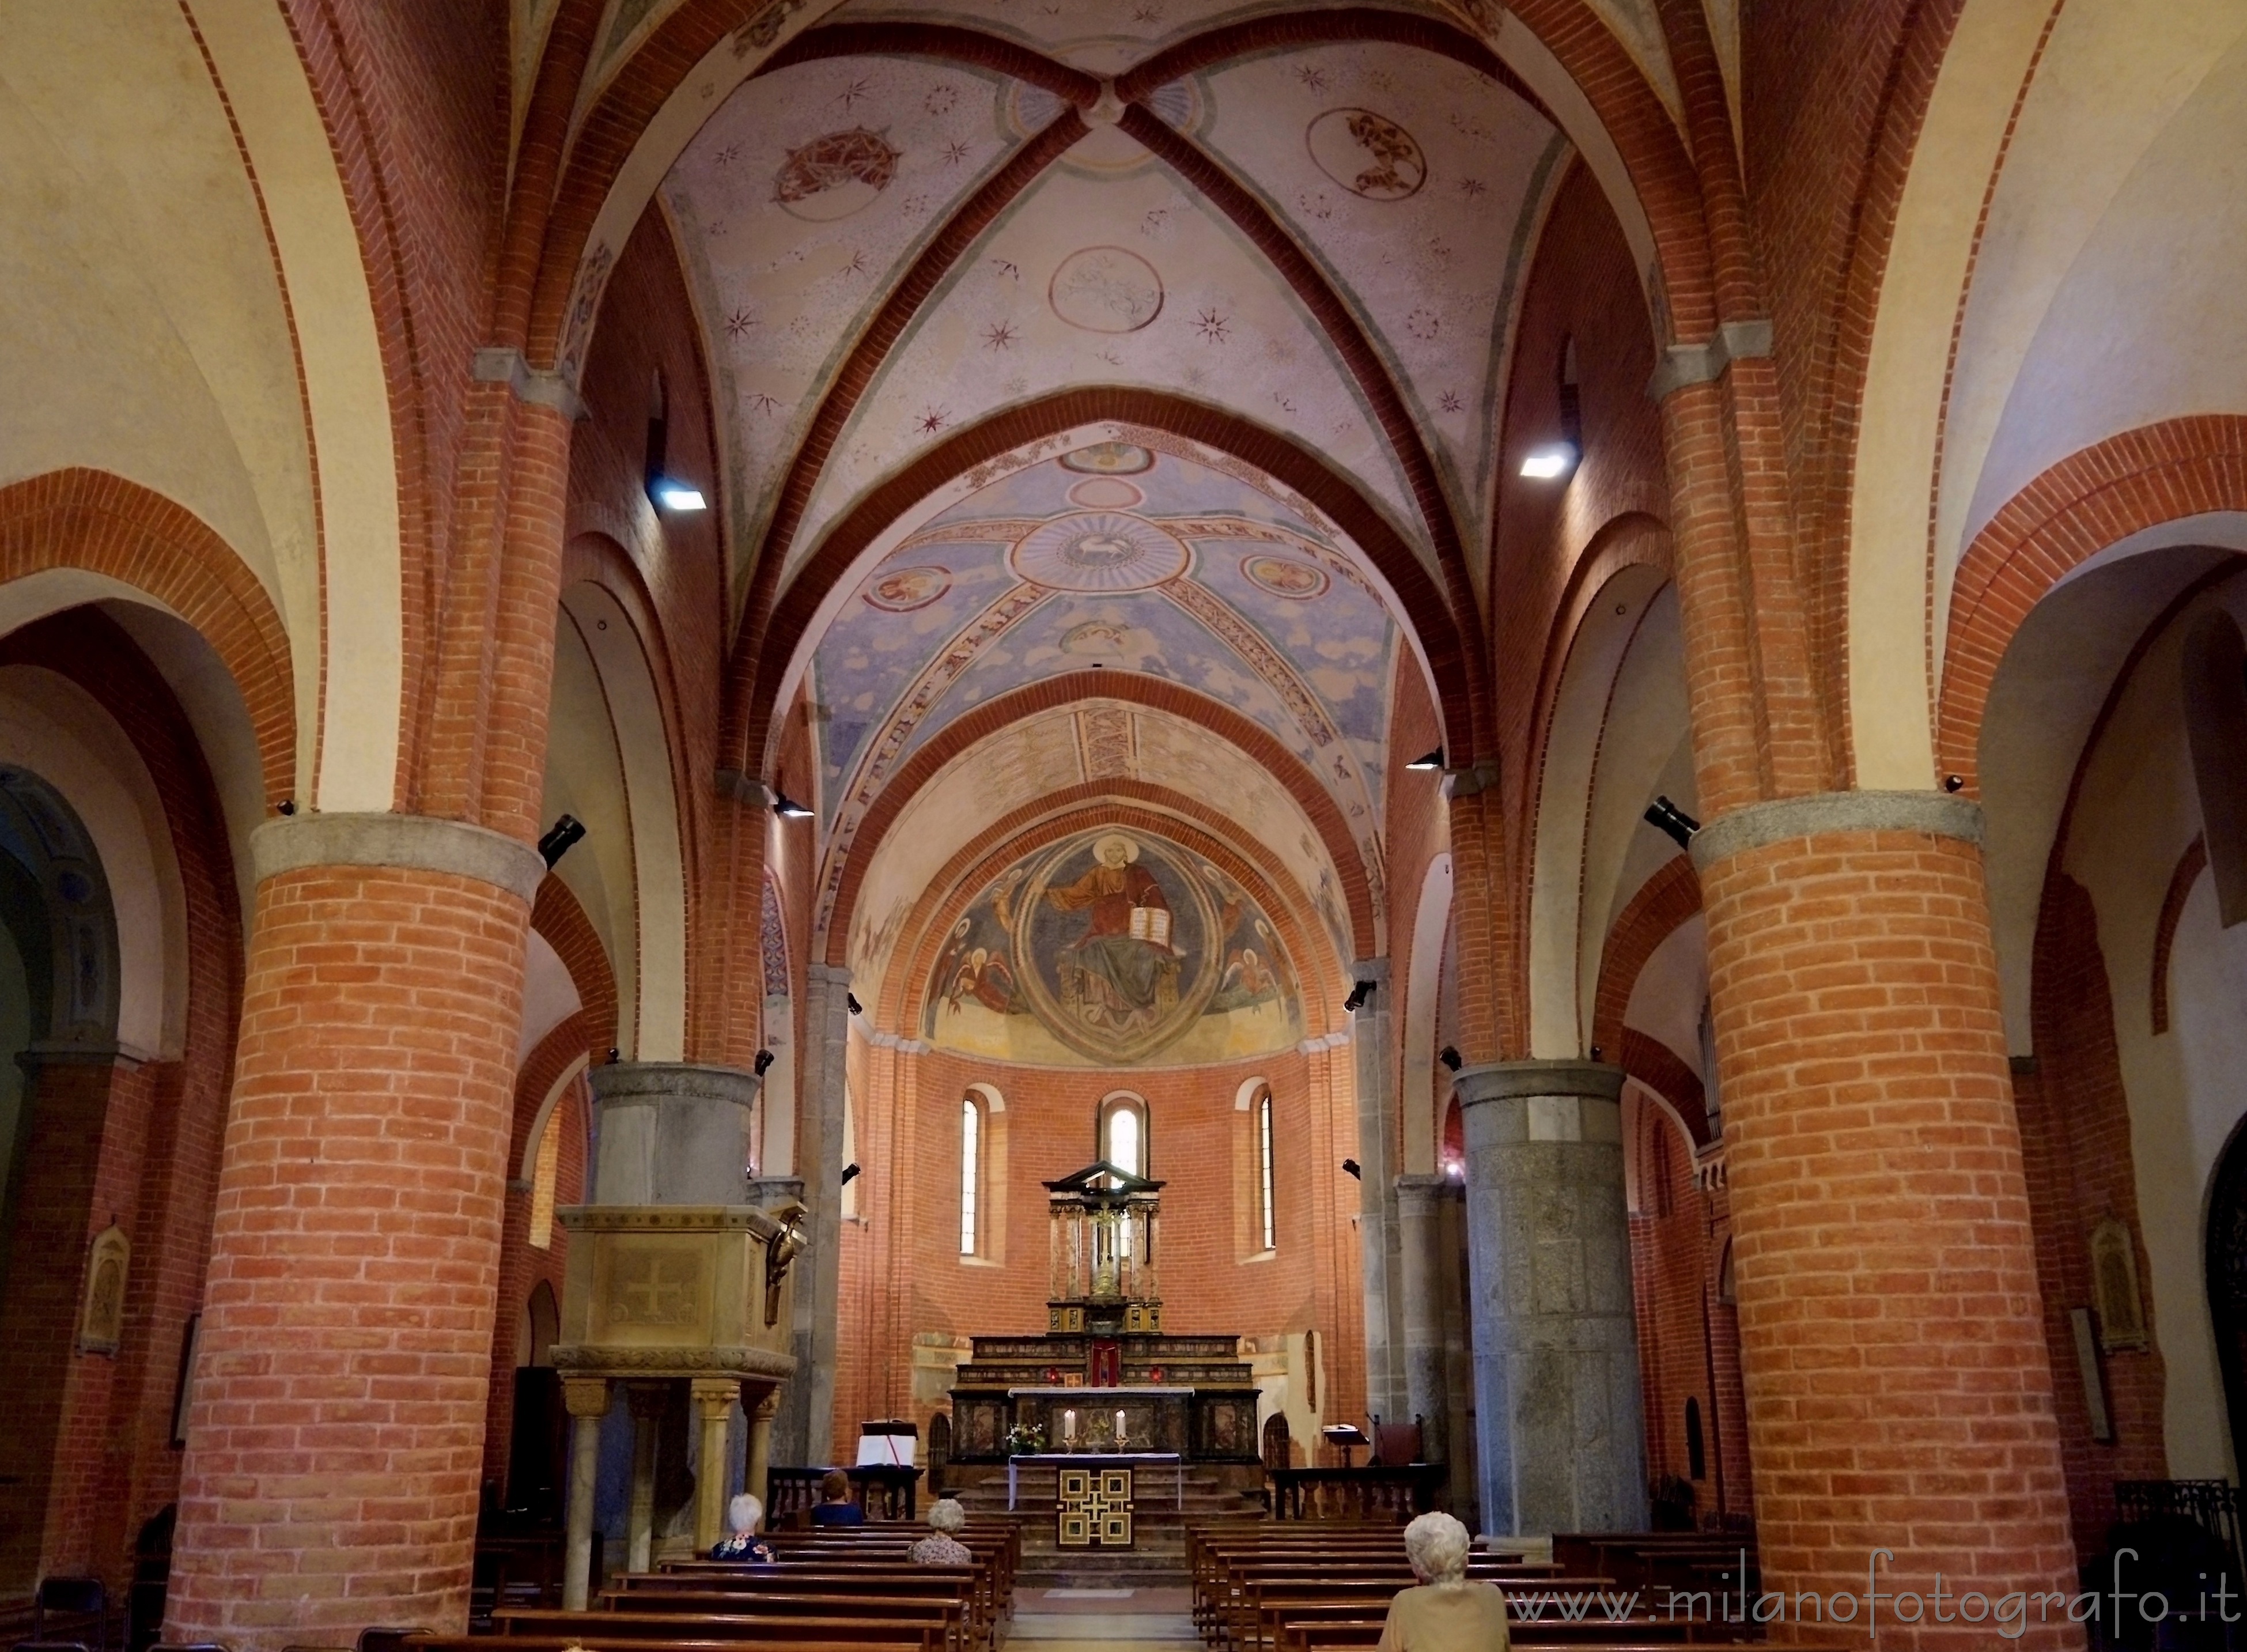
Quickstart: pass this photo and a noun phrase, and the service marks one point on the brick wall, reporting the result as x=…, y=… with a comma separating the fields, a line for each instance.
x=908, y=1128
x=2075, y=1139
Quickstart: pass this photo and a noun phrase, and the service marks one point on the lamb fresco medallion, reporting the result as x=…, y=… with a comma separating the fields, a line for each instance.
x=1367, y=153
x=1098, y=550
x=1109, y=458
x=1107, y=289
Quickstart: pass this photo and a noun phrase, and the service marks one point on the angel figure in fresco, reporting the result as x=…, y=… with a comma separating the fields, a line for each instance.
x=985, y=977
x=1122, y=971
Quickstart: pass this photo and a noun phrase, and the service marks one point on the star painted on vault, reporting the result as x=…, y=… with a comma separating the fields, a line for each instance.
x=955, y=153
x=855, y=91
x=1450, y=401
x=1008, y=268
x=933, y=420
x=739, y=322
x=1473, y=186
x=1212, y=326
x=727, y=156
x=856, y=266
x=765, y=404
x=1312, y=79
x=999, y=335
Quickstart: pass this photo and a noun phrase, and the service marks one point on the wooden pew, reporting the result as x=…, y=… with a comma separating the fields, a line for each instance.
x=933, y=1626
x=735, y=1590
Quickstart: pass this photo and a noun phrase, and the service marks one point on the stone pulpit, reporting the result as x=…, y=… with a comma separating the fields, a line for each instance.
x=679, y=1273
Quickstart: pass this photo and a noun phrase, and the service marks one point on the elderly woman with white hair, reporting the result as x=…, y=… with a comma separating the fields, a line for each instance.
x=942, y=1546
x=1445, y=1613
x=743, y=1516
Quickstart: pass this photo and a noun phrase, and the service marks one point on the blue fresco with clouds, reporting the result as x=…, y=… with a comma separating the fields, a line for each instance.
x=1340, y=642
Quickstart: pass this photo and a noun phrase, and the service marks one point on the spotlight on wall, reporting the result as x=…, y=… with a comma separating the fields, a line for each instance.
x=1359, y=991
x=851, y=999
x=1350, y=1164
x=1553, y=459
x=1430, y=759
x=679, y=496
x=849, y=1174
x=788, y=808
x=764, y=1059
x=1672, y=822
x=560, y=837
x=1450, y=1057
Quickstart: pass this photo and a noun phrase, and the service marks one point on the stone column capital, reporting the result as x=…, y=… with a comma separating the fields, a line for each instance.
x=1516, y=1081
x=714, y=1395
x=1931, y=813
x=585, y=1397
x=646, y=1083
x=832, y=975
x=1423, y=1192
x=1370, y=969
x=415, y=842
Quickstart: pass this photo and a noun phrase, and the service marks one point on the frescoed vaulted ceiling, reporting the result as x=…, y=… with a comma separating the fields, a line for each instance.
x=918, y=218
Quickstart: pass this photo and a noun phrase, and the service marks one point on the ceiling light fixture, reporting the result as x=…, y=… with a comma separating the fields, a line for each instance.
x=679, y=495
x=1359, y=991
x=1555, y=458
x=1430, y=759
x=1350, y=1166
x=565, y=832
x=788, y=808
x=1672, y=822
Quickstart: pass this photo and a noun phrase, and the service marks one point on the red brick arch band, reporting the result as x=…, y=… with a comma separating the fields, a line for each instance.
x=103, y=524
x=2092, y=499
x=1156, y=694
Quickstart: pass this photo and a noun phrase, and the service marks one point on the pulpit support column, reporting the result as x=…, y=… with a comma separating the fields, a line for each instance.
x=587, y=1401
x=639, y=1521
x=713, y=1403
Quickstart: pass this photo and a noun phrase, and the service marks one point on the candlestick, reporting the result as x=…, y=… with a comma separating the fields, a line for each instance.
x=1119, y=1430
x=1068, y=1427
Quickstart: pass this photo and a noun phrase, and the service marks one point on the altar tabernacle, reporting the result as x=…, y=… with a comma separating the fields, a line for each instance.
x=1104, y=1378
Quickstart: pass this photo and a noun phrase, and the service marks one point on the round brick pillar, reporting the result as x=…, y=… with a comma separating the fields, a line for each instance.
x=1899, y=1398
x=336, y=1429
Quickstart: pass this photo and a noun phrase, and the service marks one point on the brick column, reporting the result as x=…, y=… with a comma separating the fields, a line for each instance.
x=336, y=1431
x=1899, y=1397
x=1420, y=1235
x=1372, y=1034
x=1557, y=1396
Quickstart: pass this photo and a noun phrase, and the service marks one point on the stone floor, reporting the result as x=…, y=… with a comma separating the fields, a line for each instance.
x=1107, y=1618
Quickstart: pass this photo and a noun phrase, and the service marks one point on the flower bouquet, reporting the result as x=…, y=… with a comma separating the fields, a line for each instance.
x=1025, y=1439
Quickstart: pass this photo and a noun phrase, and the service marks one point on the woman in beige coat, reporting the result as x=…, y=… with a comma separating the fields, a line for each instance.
x=1445, y=1613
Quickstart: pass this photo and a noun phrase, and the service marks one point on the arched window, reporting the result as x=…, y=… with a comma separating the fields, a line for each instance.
x=1264, y=1170
x=1124, y=1133
x=1697, y=1455
x=546, y=1168
x=971, y=1174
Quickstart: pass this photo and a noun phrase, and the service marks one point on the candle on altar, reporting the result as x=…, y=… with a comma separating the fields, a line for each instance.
x=1119, y=1425
x=1068, y=1427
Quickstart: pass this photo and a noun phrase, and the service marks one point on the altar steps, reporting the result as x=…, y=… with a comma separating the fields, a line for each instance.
x=1158, y=1557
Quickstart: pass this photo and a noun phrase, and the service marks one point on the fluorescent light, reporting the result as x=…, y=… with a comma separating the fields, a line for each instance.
x=1432, y=760
x=1545, y=463
x=676, y=496
x=788, y=808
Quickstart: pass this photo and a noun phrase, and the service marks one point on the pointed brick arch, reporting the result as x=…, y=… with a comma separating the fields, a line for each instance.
x=1153, y=692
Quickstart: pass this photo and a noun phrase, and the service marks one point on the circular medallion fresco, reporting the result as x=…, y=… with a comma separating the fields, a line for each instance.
x=1367, y=153
x=1285, y=577
x=900, y=591
x=1105, y=289
x=1098, y=550
x=1108, y=459
x=1106, y=493
x=833, y=176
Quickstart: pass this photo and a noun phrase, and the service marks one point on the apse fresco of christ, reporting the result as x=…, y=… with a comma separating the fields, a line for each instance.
x=1111, y=947
x=1121, y=973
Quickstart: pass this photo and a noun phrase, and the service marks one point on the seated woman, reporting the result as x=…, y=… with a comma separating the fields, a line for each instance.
x=834, y=1507
x=943, y=1546
x=1446, y=1613
x=743, y=1516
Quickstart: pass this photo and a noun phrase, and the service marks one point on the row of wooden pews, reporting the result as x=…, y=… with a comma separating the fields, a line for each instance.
x=1289, y=1586
x=831, y=1589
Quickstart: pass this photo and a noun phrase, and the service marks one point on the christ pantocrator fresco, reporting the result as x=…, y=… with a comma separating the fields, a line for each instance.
x=1113, y=946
